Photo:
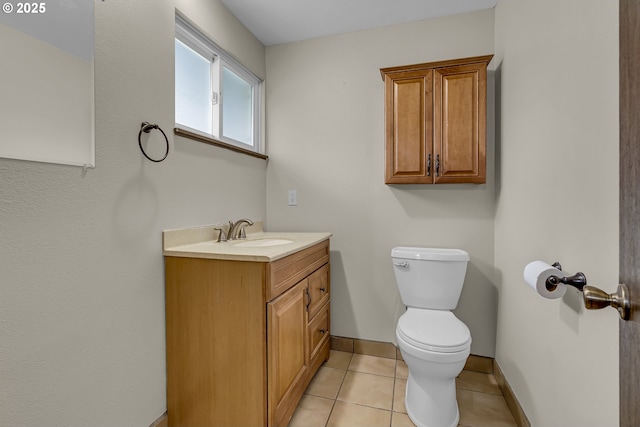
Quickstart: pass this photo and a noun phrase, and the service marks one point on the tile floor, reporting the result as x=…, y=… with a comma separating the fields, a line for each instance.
x=353, y=390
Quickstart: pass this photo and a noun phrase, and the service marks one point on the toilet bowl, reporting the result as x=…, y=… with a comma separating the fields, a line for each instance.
x=434, y=343
x=435, y=356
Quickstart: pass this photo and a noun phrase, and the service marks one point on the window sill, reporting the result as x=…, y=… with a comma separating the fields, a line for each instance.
x=207, y=140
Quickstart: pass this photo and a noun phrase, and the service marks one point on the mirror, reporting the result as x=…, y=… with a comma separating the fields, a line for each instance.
x=46, y=81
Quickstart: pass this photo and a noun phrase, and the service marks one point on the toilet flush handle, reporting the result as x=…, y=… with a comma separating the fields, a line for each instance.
x=401, y=264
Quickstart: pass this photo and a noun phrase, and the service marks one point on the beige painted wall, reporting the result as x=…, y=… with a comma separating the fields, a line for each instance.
x=325, y=133
x=82, y=281
x=557, y=200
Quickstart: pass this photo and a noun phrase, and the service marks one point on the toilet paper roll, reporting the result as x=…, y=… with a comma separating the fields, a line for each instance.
x=536, y=274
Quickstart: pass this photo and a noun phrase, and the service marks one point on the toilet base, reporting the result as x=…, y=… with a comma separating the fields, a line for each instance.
x=436, y=407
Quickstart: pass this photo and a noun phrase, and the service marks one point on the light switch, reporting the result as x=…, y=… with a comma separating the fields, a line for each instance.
x=293, y=198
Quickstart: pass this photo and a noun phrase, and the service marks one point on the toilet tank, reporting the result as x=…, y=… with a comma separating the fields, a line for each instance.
x=430, y=278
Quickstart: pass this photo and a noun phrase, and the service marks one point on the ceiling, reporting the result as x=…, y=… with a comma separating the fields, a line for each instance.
x=284, y=21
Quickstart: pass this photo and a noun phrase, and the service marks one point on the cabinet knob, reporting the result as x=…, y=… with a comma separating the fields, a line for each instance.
x=323, y=331
x=322, y=289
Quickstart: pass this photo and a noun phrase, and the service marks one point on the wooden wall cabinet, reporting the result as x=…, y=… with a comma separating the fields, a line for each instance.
x=244, y=338
x=435, y=122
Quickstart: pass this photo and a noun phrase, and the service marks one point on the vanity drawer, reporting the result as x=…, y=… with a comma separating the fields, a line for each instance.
x=318, y=289
x=318, y=332
x=287, y=271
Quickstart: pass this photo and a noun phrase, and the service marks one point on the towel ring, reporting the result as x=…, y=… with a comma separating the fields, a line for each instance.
x=147, y=127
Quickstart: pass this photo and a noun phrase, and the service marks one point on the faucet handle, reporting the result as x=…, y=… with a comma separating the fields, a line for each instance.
x=222, y=237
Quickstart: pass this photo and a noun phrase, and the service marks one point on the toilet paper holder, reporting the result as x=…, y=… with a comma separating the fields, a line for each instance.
x=594, y=298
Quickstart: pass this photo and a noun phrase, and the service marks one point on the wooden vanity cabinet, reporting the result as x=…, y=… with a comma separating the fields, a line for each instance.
x=244, y=338
x=435, y=122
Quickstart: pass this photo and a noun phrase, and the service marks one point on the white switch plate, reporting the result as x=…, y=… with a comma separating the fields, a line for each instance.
x=293, y=198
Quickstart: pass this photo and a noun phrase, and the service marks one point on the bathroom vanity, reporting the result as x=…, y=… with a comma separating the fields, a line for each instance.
x=247, y=325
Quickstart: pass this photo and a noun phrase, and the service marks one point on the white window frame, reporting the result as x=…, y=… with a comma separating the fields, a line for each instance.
x=192, y=37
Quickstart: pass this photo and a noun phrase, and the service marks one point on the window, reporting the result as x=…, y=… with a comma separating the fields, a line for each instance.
x=215, y=95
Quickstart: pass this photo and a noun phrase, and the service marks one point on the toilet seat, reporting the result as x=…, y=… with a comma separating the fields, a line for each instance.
x=437, y=331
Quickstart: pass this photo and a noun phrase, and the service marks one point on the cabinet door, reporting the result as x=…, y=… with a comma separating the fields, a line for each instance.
x=460, y=123
x=408, y=127
x=288, y=356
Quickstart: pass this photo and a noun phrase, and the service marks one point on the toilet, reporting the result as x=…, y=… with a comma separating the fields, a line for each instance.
x=434, y=343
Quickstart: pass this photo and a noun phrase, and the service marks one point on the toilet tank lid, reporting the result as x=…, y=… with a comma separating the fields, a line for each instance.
x=432, y=254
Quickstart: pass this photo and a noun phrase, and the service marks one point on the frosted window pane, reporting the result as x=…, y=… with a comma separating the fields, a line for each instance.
x=237, y=108
x=193, y=89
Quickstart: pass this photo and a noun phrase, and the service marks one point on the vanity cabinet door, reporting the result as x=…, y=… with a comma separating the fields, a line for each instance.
x=288, y=356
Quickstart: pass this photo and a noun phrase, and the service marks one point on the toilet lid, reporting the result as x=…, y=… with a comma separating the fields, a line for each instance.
x=434, y=330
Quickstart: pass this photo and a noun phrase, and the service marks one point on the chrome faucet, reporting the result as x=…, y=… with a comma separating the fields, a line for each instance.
x=236, y=229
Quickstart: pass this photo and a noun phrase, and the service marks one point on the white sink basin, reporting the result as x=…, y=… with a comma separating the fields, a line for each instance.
x=261, y=243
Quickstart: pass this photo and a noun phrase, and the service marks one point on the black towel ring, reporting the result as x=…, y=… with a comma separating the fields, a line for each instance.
x=147, y=127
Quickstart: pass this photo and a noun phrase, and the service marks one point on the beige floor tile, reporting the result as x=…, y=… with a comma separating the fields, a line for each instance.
x=401, y=420
x=338, y=359
x=373, y=365
x=349, y=415
x=483, y=410
x=366, y=389
x=367, y=392
x=312, y=411
x=399, y=392
x=326, y=382
x=477, y=381
x=402, y=370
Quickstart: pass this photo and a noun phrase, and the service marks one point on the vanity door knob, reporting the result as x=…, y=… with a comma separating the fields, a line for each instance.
x=322, y=289
x=323, y=331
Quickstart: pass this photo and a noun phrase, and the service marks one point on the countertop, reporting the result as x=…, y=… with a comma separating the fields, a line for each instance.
x=200, y=242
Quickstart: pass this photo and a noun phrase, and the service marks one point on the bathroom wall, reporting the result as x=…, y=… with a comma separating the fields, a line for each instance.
x=82, y=282
x=325, y=130
x=557, y=200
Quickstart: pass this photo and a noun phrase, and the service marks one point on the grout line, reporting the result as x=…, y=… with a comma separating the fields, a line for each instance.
x=333, y=405
x=393, y=391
